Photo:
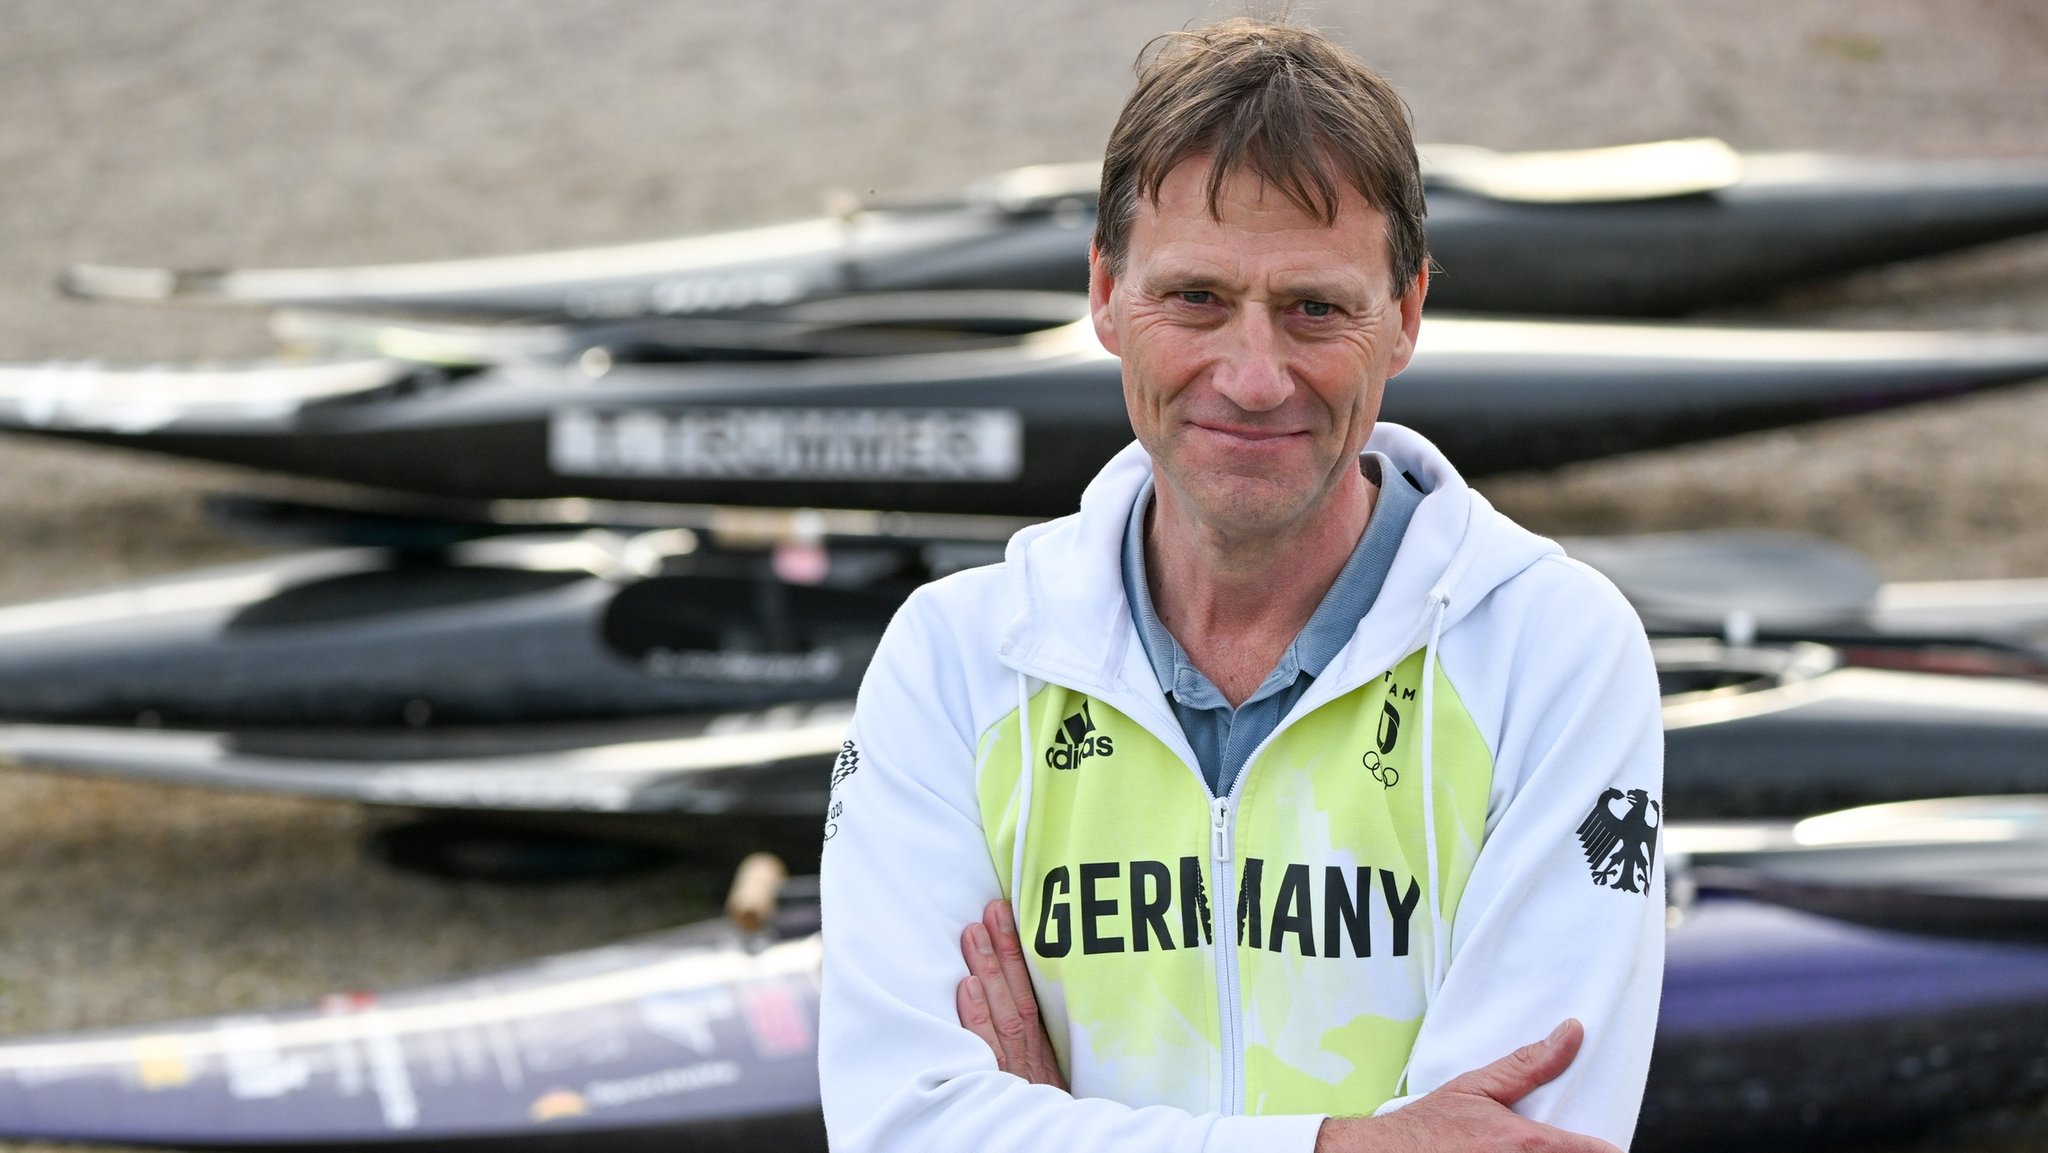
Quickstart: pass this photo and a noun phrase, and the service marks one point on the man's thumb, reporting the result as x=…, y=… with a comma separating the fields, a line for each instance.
x=1511, y=1078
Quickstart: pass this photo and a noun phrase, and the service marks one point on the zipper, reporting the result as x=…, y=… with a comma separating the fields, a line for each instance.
x=1223, y=921
x=1222, y=832
x=1229, y=1012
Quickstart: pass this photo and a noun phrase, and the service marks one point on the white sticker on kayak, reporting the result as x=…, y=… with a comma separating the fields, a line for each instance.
x=257, y=1066
x=944, y=444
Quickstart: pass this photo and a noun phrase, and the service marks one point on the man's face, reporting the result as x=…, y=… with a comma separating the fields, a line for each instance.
x=1255, y=347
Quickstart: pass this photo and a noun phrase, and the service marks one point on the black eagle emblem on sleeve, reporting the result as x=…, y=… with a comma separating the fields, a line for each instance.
x=1620, y=849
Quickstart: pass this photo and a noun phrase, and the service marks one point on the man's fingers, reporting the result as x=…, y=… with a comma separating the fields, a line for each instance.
x=971, y=1002
x=1511, y=1078
x=1476, y=1110
x=1026, y=1041
x=1010, y=1023
x=987, y=996
x=972, y=1006
x=995, y=1001
x=1002, y=927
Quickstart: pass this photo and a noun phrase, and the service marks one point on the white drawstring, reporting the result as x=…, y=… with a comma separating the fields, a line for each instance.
x=1439, y=942
x=1440, y=945
x=1026, y=765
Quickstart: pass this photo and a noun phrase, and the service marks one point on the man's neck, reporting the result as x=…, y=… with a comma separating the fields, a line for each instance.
x=1236, y=601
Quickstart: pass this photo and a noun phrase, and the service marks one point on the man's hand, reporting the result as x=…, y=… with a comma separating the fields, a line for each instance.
x=995, y=1001
x=1473, y=1112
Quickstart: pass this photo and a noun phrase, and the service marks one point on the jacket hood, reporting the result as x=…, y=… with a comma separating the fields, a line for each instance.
x=1074, y=626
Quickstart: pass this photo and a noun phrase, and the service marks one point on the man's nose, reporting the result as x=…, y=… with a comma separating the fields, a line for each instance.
x=1251, y=371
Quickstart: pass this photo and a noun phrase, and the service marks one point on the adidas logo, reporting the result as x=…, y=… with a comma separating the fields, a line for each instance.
x=1076, y=741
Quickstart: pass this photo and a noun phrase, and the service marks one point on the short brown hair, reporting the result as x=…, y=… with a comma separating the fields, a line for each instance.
x=1281, y=100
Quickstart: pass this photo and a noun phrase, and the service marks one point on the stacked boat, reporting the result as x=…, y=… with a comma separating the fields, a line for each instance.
x=626, y=526
x=1802, y=998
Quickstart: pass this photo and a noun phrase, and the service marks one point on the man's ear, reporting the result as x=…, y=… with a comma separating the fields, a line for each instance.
x=1101, y=288
x=1411, y=320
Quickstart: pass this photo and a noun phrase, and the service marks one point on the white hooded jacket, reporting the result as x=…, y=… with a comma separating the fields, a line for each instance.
x=1445, y=848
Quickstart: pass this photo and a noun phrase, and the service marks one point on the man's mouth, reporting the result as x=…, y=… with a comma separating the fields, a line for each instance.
x=1245, y=434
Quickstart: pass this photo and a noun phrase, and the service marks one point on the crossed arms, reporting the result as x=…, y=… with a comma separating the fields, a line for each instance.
x=1474, y=1111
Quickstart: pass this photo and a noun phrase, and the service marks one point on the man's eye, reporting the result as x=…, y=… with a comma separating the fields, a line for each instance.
x=1318, y=308
x=1196, y=296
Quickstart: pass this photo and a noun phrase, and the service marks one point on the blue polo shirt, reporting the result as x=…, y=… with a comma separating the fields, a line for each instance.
x=1224, y=737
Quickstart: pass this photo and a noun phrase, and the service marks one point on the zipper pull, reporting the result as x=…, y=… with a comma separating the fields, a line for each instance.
x=1219, y=831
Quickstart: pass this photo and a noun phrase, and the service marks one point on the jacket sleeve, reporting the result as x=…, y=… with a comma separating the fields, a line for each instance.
x=906, y=868
x=1535, y=938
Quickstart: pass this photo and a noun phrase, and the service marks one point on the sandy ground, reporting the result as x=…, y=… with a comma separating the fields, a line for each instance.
x=291, y=132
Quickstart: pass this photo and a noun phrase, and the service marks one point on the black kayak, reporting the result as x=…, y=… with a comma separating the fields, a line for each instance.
x=676, y=673
x=1757, y=584
x=1641, y=230
x=733, y=615
x=1968, y=866
x=353, y=675
x=543, y=628
x=1011, y=430
x=1744, y=584
x=1775, y=1024
x=1784, y=730
x=1748, y=584
x=865, y=324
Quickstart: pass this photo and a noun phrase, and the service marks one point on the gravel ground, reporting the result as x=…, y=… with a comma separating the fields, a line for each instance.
x=291, y=132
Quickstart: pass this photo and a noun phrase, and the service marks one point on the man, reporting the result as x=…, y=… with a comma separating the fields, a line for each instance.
x=1294, y=759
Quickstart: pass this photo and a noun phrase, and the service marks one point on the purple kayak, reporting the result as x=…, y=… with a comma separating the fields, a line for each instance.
x=1786, y=1026
x=700, y=1039
x=1776, y=1023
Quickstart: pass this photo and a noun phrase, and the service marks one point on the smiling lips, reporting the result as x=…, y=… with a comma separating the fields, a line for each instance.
x=1247, y=435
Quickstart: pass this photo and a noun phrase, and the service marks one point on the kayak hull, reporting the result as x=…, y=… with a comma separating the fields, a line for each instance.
x=530, y=630
x=1777, y=220
x=1853, y=736
x=1015, y=431
x=1791, y=220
